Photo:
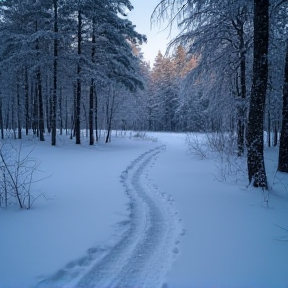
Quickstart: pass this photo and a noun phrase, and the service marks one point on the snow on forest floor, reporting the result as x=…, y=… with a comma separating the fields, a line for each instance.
x=123, y=214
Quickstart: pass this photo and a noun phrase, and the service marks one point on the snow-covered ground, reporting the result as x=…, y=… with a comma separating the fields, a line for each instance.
x=139, y=213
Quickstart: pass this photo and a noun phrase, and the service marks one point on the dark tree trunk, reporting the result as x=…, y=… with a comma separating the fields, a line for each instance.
x=27, y=118
x=19, y=118
x=1, y=119
x=48, y=113
x=40, y=103
x=39, y=93
x=1, y=115
x=92, y=89
x=91, y=113
x=35, y=111
x=283, y=150
x=78, y=87
x=55, y=66
x=13, y=125
x=255, y=142
x=66, y=114
x=60, y=112
x=73, y=122
x=96, y=115
x=110, y=109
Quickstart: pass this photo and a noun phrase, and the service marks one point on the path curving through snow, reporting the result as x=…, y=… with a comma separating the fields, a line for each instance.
x=145, y=251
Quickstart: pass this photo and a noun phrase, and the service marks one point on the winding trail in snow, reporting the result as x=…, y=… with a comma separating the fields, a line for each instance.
x=145, y=251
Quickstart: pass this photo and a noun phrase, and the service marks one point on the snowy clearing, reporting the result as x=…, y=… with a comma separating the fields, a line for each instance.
x=113, y=219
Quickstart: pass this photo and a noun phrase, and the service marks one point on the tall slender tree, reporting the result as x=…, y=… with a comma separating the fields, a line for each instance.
x=92, y=92
x=255, y=141
x=55, y=75
x=78, y=85
x=283, y=150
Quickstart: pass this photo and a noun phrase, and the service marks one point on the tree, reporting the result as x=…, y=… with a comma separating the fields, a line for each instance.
x=55, y=74
x=255, y=145
x=78, y=85
x=283, y=150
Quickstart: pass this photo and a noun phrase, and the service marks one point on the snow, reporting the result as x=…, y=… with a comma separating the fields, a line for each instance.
x=229, y=237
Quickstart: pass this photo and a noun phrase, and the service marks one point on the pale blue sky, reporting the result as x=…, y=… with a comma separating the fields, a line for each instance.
x=157, y=38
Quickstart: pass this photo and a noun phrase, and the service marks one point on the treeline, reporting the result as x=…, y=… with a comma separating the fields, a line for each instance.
x=70, y=65
x=65, y=65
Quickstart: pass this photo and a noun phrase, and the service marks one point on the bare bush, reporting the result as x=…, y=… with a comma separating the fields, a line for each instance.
x=222, y=143
x=196, y=145
x=16, y=175
x=223, y=148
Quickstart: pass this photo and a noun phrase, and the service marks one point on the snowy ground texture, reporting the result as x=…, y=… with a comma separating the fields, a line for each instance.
x=137, y=213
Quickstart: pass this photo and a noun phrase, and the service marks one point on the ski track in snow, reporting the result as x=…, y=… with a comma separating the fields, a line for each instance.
x=144, y=253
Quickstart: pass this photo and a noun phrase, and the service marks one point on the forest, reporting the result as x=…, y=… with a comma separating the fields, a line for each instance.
x=73, y=66
x=117, y=172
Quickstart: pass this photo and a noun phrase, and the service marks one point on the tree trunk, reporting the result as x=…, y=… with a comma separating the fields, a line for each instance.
x=35, y=110
x=92, y=89
x=1, y=115
x=40, y=103
x=109, y=115
x=255, y=142
x=96, y=115
x=13, y=125
x=238, y=24
x=60, y=112
x=91, y=113
x=55, y=80
x=73, y=121
x=66, y=114
x=19, y=118
x=78, y=88
x=39, y=92
x=48, y=106
x=283, y=150
x=1, y=118
x=27, y=118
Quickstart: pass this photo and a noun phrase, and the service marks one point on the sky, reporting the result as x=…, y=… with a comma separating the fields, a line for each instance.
x=158, y=36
